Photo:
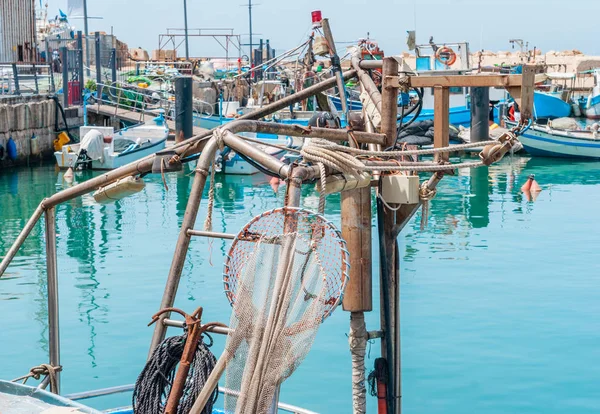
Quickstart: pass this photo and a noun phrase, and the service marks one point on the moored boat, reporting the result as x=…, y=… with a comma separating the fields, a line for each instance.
x=545, y=141
x=101, y=148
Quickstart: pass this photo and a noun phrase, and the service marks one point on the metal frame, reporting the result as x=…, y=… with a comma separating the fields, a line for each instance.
x=231, y=39
x=208, y=143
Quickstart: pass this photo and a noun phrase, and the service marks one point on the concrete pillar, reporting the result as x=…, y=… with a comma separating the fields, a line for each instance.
x=480, y=112
x=184, y=110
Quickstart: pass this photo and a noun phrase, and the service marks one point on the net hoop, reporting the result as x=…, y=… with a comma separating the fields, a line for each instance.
x=321, y=230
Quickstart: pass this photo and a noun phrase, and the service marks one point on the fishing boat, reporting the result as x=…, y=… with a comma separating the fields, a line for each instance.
x=101, y=148
x=545, y=141
x=550, y=105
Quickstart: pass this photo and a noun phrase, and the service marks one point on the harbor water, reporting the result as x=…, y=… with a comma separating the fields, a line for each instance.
x=500, y=296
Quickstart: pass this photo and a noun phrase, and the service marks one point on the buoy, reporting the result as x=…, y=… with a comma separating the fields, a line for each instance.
x=11, y=149
x=527, y=186
x=535, y=187
x=68, y=176
x=119, y=189
x=274, y=182
x=35, y=145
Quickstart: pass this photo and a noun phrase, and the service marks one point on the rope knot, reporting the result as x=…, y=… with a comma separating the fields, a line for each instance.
x=219, y=134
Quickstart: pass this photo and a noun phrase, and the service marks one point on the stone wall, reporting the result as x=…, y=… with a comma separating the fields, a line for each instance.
x=23, y=116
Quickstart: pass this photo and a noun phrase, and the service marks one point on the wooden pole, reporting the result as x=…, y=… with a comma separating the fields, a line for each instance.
x=441, y=120
x=358, y=296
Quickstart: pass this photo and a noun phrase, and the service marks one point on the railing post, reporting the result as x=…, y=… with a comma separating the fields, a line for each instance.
x=80, y=59
x=52, y=274
x=98, y=52
x=16, y=78
x=35, y=79
x=65, y=76
x=113, y=66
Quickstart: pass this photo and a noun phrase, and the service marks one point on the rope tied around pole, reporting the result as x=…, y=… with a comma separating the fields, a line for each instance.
x=357, y=340
x=43, y=370
x=218, y=134
x=426, y=194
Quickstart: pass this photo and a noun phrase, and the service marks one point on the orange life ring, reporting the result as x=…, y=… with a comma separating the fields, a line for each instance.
x=445, y=56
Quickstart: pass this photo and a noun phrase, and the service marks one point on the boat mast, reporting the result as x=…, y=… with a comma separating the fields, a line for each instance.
x=250, y=28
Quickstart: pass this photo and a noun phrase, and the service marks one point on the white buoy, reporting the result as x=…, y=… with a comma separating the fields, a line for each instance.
x=68, y=177
x=119, y=189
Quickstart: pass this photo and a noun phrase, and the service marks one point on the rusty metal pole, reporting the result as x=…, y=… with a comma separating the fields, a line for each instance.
x=183, y=242
x=389, y=274
x=52, y=274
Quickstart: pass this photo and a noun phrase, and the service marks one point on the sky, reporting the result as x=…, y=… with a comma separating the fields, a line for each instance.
x=485, y=24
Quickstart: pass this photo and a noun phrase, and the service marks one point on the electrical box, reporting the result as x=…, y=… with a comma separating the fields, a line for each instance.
x=400, y=189
x=320, y=47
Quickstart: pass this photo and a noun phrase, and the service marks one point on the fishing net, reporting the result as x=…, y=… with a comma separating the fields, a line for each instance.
x=285, y=273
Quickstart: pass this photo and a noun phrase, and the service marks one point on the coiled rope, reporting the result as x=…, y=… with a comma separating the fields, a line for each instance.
x=154, y=383
x=343, y=159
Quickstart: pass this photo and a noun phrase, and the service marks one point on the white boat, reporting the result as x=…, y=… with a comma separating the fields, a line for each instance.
x=590, y=106
x=101, y=148
x=544, y=141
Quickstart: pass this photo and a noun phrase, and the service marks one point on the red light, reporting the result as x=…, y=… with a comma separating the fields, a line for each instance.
x=316, y=17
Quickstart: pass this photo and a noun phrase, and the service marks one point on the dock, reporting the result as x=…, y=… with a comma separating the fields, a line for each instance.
x=134, y=116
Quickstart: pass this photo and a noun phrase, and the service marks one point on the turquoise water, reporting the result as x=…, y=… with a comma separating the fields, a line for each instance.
x=500, y=296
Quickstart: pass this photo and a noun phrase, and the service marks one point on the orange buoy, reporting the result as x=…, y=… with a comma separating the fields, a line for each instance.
x=535, y=187
x=527, y=186
x=274, y=182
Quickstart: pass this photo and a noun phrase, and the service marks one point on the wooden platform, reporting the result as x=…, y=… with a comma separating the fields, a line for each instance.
x=133, y=116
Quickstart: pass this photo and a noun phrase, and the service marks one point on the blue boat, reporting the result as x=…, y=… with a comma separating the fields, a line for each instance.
x=548, y=105
x=459, y=115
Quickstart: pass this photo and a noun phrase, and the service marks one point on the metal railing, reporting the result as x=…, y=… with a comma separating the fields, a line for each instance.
x=26, y=78
x=145, y=101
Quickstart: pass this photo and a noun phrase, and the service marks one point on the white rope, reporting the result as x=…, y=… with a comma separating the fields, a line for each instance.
x=339, y=158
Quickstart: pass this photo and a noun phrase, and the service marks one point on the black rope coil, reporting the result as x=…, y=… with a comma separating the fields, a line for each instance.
x=153, y=386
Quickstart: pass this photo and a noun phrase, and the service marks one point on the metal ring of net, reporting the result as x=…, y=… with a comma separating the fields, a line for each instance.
x=327, y=247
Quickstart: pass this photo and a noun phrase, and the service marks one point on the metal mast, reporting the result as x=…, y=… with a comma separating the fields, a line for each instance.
x=250, y=27
x=187, y=45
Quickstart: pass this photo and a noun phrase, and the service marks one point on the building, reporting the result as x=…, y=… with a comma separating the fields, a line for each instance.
x=17, y=31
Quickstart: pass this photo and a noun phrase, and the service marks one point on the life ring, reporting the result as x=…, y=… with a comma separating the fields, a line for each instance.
x=445, y=56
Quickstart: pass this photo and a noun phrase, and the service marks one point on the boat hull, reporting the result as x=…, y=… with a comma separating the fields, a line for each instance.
x=540, y=143
x=548, y=106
